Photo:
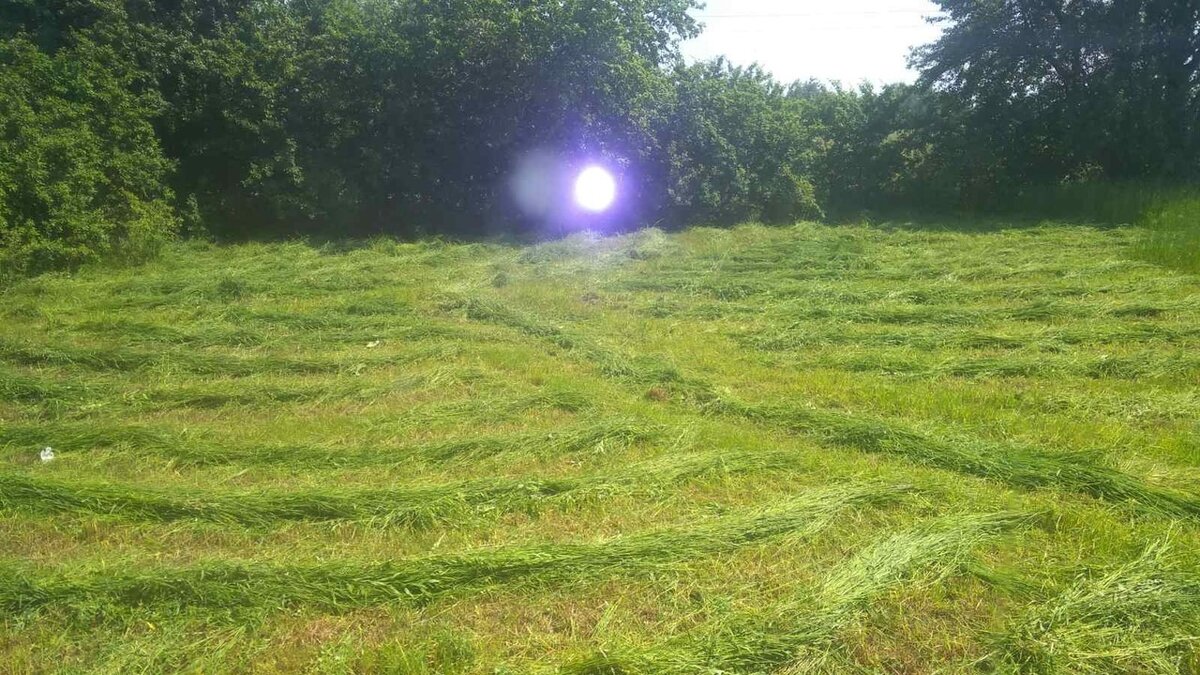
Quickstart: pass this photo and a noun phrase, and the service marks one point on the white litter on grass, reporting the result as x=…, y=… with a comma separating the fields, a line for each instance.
x=373, y=344
x=47, y=454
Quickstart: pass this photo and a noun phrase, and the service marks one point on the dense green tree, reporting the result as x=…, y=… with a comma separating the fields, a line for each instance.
x=363, y=115
x=739, y=148
x=1073, y=89
x=414, y=113
x=82, y=176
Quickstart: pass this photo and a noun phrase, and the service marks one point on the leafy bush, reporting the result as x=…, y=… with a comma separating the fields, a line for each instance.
x=739, y=150
x=82, y=176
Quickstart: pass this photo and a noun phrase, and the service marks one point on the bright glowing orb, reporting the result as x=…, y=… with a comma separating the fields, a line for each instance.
x=595, y=189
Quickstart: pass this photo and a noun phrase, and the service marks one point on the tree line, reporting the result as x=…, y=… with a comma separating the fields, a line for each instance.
x=125, y=122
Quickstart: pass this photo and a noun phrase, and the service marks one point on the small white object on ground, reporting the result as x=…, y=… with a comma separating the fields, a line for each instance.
x=373, y=344
x=47, y=454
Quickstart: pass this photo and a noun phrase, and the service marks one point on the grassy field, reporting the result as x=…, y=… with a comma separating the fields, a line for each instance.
x=806, y=449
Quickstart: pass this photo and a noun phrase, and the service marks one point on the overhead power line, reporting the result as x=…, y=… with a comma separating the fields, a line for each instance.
x=777, y=15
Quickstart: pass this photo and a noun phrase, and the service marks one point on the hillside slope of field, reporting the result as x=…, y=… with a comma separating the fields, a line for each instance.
x=805, y=449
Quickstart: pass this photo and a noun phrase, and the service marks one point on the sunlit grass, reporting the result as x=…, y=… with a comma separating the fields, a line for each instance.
x=903, y=448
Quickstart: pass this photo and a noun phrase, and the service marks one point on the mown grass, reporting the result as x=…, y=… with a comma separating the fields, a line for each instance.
x=418, y=506
x=1142, y=615
x=1018, y=466
x=345, y=584
x=896, y=448
x=801, y=632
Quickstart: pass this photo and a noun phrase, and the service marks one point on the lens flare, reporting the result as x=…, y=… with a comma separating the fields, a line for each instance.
x=595, y=189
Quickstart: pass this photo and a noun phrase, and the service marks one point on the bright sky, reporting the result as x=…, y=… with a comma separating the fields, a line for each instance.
x=847, y=40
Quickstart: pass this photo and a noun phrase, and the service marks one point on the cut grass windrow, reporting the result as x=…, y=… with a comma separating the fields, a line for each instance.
x=416, y=506
x=1017, y=466
x=807, y=336
x=1154, y=365
x=807, y=627
x=74, y=394
x=1141, y=617
x=345, y=585
x=20, y=388
x=642, y=370
x=192, y=361
x=1014, y=465
x=187, y=450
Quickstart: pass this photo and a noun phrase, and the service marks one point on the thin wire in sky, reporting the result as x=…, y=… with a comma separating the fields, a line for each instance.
x=777, y=15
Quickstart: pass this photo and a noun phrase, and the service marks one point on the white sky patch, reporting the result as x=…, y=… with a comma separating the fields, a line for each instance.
x=846, y=40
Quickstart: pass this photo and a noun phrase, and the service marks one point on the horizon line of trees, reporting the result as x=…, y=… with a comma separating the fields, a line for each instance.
x=124, y=122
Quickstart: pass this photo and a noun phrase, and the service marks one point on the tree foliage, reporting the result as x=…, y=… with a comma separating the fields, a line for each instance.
x=1062, y=89
x=738, y=147
x=82, y=175
x=120, y=118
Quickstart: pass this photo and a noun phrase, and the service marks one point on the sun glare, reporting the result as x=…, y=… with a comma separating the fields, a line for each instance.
x=595, y=189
